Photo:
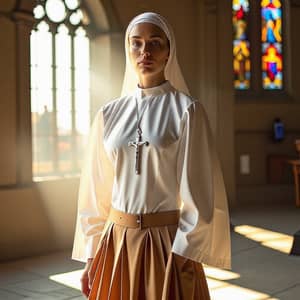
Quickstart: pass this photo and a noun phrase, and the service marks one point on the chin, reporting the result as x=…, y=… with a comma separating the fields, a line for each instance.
x=145, y=70
x=147, y=73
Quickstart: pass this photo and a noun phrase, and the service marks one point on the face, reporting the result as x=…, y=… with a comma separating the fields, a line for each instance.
x=148, y=50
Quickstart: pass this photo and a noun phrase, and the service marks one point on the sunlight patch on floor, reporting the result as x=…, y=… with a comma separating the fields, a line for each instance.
x=70, y=279
x=222, y=290
x=271, y=239
x=220, y=274
x=216, y=279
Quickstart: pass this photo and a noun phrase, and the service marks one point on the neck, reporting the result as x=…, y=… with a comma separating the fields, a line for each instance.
x=149, y=82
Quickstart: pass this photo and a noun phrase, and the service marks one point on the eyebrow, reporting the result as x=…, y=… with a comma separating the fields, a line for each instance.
x=152, y=36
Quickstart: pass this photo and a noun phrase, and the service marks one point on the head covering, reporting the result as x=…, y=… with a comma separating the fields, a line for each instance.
x=172, y=69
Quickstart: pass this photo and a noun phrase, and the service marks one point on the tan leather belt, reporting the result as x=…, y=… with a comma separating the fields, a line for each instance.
x=161, y=218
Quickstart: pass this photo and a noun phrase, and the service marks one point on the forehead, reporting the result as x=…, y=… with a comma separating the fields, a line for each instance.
x=146, y=30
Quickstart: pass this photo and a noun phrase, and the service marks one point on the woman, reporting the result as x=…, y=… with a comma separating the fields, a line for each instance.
x=152, y=205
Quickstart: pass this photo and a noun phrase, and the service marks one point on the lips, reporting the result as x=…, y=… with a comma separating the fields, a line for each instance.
x=145, y=62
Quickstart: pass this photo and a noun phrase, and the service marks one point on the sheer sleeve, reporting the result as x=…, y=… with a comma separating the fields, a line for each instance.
x=94, y=195
x=203, y=234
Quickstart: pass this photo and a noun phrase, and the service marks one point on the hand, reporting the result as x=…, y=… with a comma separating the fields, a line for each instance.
x=180, y=260
x=86, y=278
x=180, y=257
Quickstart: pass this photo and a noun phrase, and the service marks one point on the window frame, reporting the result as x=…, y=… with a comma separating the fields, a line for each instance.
x=74, y=159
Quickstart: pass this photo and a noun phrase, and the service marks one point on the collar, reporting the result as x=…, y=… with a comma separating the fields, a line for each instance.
x=154, y=91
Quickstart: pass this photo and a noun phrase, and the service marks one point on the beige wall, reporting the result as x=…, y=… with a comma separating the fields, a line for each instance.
x=39, y=217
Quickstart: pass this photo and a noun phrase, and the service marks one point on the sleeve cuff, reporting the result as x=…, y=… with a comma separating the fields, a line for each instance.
x=182, y=247
x=91, y=246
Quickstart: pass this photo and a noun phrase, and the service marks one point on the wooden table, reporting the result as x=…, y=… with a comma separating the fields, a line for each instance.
x=296, y=171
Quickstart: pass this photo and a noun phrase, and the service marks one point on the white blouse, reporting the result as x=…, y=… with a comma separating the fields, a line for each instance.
x=179, y=169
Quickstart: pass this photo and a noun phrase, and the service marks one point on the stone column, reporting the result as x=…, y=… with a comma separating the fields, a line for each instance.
x=215, y=80
x=24, y=22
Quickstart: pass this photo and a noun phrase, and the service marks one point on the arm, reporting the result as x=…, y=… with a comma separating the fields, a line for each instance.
x=203, y=234
x=94, y=196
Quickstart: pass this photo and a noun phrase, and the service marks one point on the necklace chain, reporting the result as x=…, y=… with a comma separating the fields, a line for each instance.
x=138, y=128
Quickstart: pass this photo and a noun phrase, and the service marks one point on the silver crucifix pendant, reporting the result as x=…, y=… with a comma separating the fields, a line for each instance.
x=138, y=144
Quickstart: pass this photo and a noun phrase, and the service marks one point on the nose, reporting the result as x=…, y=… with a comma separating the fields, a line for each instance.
x=145, y=50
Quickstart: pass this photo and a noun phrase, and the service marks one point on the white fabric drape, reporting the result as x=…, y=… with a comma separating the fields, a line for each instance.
x=94, y=196
x=204, y=232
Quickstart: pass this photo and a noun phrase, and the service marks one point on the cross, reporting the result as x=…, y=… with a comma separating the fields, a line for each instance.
x=137, y=144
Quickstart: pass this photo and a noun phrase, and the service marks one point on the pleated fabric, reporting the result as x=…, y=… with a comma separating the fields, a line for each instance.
x=137, y=264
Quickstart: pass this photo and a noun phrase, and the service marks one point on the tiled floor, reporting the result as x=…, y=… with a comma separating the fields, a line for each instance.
x=261, y=266
x=36, y=278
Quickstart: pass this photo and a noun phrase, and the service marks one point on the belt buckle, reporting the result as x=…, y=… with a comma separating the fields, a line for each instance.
x=139, y=220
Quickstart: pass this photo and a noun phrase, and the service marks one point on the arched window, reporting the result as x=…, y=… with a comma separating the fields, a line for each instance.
x=258, y=46
x=60, y=89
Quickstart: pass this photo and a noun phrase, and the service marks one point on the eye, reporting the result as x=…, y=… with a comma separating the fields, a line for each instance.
x=135, y=43
x=156, y=43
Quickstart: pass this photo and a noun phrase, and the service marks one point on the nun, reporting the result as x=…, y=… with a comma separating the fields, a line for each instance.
x=152, y=205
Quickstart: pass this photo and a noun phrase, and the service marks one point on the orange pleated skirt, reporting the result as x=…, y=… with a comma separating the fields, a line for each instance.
x=137, y=264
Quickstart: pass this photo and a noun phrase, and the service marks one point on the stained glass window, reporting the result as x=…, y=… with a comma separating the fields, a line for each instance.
x=60, y=94
x=271, y=37
x=241, y=44
x=257, y=53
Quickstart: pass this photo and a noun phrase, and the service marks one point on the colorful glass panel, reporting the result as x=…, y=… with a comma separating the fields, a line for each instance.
x=241, y=44
x=271, y=38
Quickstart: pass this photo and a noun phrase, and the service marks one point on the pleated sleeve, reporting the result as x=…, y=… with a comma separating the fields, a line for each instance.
x=203, y=234
x=94, y=195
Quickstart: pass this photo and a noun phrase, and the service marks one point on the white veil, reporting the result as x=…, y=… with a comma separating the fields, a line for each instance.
x=172, y=69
